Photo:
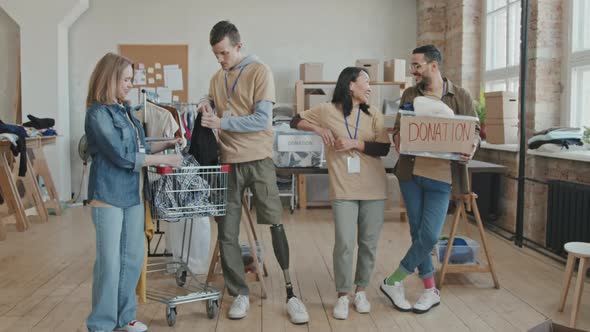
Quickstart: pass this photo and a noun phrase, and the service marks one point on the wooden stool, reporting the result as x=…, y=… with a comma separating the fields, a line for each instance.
x=252, y=239
x=575, y=250
x=465, y=203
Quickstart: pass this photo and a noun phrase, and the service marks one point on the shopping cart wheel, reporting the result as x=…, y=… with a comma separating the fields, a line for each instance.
x=181, y=276
x=171, y=316
x=212, y=308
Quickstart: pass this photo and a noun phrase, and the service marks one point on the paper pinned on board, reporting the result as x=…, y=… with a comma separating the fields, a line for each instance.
x=158, y=76
x=151, y=80
x=139, y=77
x=157, y=65
x=175, y=99
x=173, y=78
x=165, y=94
x=168, y=67
x=150, y=70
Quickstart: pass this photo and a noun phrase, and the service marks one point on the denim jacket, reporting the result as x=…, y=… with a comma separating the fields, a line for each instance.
x=116, y=157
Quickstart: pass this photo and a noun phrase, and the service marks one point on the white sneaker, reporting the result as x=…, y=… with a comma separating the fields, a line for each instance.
x=297, y=311
x=430, y=298
x=341, y=308
x=239, y=308
x=396, y=295
x=361, y=303
x=134, y=326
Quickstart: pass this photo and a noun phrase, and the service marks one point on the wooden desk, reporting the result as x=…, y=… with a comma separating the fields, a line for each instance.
x=474, y=166
x=300, y=173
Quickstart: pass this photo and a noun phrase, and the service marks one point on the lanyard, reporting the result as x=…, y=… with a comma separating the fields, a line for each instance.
x=358, y=116
x=230, y=93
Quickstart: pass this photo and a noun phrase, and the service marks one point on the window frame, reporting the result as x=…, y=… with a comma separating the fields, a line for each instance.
x=509, y=72
x=570, y=112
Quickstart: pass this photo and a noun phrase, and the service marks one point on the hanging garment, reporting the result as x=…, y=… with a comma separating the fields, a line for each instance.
x=159, y=122
x=38, y=123
x=204, y=145
x=183, y=195
x=21, y=144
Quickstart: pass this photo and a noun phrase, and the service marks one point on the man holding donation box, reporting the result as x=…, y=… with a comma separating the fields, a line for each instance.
x=436, y=132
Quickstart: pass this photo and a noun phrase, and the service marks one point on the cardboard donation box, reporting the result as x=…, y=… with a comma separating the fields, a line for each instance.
x=394, y=70
x=501, y=105
x=501, y=117
x=502, y=131
x=311, y=72
x=550, y=326
x=372, y=67
x=295, y=148
x=436, y=136
x=316, y=96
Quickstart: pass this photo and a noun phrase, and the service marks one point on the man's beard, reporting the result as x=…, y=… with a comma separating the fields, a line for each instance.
x=424, y=83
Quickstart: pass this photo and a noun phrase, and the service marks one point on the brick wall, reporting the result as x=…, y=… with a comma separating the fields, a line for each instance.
x=454, y=26
x=457, y=25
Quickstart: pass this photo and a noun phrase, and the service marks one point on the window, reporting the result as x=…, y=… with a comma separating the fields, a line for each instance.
x=577, y=63
x=502, y=45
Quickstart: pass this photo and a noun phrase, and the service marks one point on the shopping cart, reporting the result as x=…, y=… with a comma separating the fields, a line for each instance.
x=178, y=195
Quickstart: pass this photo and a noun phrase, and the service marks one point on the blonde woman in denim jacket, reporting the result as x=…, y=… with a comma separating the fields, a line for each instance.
x=116, y=143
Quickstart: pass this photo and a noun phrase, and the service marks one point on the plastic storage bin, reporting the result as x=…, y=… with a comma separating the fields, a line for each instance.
x=296, y=148
x=464, y=251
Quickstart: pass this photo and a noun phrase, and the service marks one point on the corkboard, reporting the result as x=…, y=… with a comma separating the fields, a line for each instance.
x=149, y=55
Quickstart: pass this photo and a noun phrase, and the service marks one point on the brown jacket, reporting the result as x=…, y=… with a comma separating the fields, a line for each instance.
x=459, y=100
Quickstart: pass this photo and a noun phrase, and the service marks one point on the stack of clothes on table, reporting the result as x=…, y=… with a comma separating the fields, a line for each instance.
x=557, y=139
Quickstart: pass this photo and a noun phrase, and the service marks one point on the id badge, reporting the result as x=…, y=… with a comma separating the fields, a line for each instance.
x=354, y=164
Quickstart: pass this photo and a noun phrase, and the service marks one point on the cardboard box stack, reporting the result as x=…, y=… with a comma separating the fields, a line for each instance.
x=316, y=96
x=501, y=117
x=311, y=72
x=394, y=70
x=371, y=65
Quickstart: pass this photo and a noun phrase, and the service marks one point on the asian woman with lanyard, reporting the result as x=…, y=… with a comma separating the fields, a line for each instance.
x=354, y=140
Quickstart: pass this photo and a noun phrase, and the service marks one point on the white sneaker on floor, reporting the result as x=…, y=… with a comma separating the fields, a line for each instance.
x=361, y=303
x=134, y=326
x=396, y=295
x=341, y=308
x=430, y=298
x=239, y=308
x=297, y=311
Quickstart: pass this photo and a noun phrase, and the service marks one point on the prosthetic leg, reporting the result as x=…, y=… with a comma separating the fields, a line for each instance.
x=281, y=249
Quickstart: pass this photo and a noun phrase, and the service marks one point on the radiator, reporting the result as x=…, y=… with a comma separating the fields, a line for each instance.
x=568, y=214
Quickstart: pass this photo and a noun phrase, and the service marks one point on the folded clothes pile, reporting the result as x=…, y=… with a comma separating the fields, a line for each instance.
x=557, y=139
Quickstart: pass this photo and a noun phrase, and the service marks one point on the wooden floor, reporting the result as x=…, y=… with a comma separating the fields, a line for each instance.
x=46, y=276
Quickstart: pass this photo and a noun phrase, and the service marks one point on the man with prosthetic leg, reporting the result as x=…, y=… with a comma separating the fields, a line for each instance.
x=239, y=107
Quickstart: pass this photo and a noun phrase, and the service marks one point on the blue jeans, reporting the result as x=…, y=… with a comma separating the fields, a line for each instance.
x=426, y=201
x=120, y=251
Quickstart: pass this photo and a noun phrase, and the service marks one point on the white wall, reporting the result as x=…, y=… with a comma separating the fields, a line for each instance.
x=282, y=33
x=9, y=45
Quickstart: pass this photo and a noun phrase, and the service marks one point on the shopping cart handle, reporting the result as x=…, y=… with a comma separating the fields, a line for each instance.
x=163, y=170
x=225, y=168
